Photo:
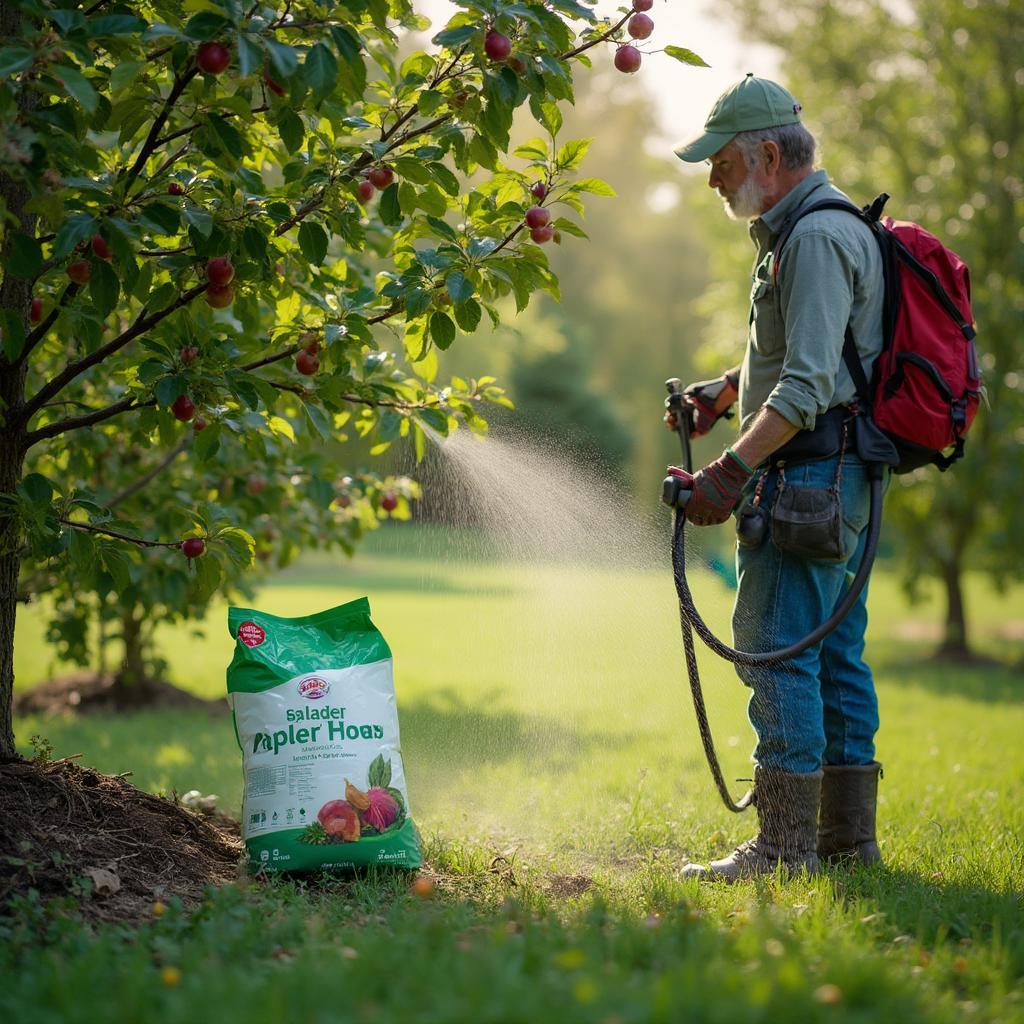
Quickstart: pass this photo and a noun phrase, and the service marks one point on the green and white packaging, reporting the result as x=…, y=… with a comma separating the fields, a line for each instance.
x=313, y=700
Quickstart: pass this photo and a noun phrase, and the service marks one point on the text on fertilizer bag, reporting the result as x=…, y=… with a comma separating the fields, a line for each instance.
x=335, y=731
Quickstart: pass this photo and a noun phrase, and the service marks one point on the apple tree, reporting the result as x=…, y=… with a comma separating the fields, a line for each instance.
x=257, y=220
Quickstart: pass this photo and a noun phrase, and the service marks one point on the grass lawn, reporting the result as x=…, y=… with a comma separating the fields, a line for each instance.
x=545, y=721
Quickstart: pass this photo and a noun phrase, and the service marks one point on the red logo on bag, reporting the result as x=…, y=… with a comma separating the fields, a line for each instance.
x=313, y=688
x=251, y=634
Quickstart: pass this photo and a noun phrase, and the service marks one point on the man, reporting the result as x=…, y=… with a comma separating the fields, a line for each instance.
x=815, y=716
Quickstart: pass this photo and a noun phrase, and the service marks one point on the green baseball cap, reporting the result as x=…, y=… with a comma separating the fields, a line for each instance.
x=750, y=104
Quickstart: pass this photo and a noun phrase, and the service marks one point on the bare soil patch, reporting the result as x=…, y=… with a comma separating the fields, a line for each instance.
x=69, y=831
x=87, y=692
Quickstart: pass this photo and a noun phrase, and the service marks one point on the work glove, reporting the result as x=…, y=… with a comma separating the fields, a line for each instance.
x=707, y=402
x=716, y=489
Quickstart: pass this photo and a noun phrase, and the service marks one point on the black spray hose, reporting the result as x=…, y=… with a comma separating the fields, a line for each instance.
x=690, y=619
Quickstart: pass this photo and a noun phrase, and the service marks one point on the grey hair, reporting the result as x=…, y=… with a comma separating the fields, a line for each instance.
x=795, y=142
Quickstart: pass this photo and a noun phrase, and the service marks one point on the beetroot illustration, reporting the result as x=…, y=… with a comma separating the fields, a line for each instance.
x=383, y=809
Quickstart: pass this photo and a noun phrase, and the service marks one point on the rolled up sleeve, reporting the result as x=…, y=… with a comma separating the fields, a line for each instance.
x=816, y=285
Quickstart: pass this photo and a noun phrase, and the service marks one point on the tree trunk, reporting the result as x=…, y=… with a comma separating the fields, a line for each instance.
x=131, y=686
x=15, y=298
x=954, y=639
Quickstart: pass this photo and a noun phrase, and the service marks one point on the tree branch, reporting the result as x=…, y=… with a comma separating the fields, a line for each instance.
x=37, y=335
x=137, y=486
x=103, y=532
x=72, y=370
x=85, y=420
x=600, y=39
x=180, y=84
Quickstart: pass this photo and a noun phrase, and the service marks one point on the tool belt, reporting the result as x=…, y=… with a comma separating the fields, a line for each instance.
x=823, y=442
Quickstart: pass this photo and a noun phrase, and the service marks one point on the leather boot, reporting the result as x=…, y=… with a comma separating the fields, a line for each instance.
x=787, y=812
x=846, y=830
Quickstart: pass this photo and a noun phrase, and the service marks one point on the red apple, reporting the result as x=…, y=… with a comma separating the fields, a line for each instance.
x=188, y=354
x=219, y=270
x=174, y=188
x=310, y=341
x=539, y=189
x=381, y=176
x=100, y=248
x=220, y=296
x=542, y=234
x=642, y=5
x=79, y=271
x=193, y=547
x=37, y=311
x=183, y=408
x=213, y=58
x=255, y=484
x=627, y=59
x=306, y=363
x=366, y=190
x=640, y=26
x=199, y=423
x=274, y=86
x=496, y=45
x=389, y=501
x=537, y=217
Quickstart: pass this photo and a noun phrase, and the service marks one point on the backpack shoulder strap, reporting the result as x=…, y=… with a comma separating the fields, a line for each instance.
x=868, y=215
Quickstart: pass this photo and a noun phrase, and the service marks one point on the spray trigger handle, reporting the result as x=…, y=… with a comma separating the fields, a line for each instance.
x=677, y=487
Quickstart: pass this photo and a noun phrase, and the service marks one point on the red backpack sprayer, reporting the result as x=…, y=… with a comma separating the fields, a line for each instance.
x=922, y=399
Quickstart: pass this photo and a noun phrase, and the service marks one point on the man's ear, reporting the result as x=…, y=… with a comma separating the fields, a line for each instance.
x=771, y=156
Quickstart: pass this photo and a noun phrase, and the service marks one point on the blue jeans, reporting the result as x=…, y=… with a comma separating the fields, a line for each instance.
x=820, y=707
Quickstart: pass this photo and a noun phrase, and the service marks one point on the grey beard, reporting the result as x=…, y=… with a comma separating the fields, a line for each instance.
x=748, y=202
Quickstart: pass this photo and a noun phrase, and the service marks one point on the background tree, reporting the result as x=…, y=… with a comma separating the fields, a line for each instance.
x=923, y=100
x=272, y=189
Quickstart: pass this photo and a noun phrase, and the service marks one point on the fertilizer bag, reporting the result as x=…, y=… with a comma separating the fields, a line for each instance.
x=313, y=700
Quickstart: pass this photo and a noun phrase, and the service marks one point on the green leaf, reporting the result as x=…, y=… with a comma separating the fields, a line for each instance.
x=460, y=288
x=467, y=315
x=228, y=135
x=389, y=209
x=429, y=100
x=454, y=37
x=115, y=25
x=205, y=25
x=74, y=230
x=571, y=155
x=207, y=442
x=169, y=389
x=379, y=774
x=291, y=129
x=104, y=287
x=37, y=489
x=14, y=59
x=318, y=419
x=313, y=242
x=250, y=54
x=442, y=330
x=117, y=565
x=686, y=56
x=200, y=219
x=164, y=219
x=78, y=87
x=321, y=71
x=26, y=256
x=445, y=179
x=283, y=59
x=595, y=186
x=124, y=74
x=13, y=333
x=535, y=149
x=412, y=170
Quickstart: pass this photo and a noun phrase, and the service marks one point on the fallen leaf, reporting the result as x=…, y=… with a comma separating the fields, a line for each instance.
x=104, y=881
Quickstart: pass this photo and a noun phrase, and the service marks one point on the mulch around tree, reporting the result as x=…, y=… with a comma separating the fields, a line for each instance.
x=87, y=692
x=69, y=831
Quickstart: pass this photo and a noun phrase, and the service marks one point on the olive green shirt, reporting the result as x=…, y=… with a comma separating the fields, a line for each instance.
x=830, y=275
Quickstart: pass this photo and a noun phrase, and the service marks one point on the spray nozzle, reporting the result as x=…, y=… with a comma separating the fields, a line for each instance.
x=677, y=488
